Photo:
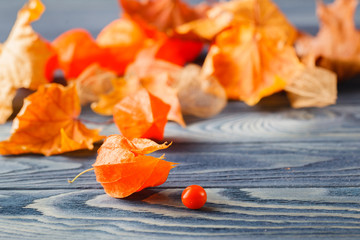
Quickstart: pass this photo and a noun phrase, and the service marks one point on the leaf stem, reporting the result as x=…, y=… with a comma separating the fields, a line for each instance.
x=87, y=170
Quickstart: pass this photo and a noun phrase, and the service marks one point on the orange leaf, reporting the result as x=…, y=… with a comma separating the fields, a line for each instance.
x=122, y=169
x=93, y=82
x=165, y=15
x=77, y=50
x=141, y=115
x=48, y=124
x=26, y=60
x=337, y=44
x=123, y=38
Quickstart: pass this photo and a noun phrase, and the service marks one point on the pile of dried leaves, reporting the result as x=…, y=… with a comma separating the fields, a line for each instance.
x=139, y=70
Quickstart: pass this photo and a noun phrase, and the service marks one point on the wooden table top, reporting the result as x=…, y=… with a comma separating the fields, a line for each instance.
x=270, y=171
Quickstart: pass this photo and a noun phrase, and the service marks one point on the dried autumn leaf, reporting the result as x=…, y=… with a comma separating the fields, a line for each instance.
x=249, y=65
x=312, y=87
x=141, y=115
x=48, y=124
x=122, y=168
x=77, y=50
x=123, y=39
x=93, y=82
x=26, y=60
x=199, y=95
x=337, y=44
x=164, y=15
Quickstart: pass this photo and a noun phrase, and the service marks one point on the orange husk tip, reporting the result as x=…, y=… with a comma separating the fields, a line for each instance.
x=122, y=168
x=141, y=115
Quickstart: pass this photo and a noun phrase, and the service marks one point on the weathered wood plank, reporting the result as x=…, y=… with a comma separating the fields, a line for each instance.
x=211, y=165
x=260, y=213
x=271, y=172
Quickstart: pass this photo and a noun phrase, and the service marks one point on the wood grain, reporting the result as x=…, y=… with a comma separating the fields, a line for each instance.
x=271, y=172
x=258, y=188
x=261, y=213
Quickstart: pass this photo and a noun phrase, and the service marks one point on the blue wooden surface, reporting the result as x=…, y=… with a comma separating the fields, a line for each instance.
x=271, y=172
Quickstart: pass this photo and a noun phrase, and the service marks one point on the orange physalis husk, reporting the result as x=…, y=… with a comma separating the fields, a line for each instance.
x=249, y=65
x=164, y=15
x=206, y=29
x=93, y=82
x=169, y=48
x=155, y=76
x=337, y=44
x=159, y=86
x=312, y=87
x=26, y=60
x=146, y=64
x=146, y=72
x=122, y=167
x=48, y=124
x=122, y=87
x=123, y=39
x=263, y=15
x=141, y=115
x=199, y=95
x=77, y=50
x=178, y=51
x=253, y=58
